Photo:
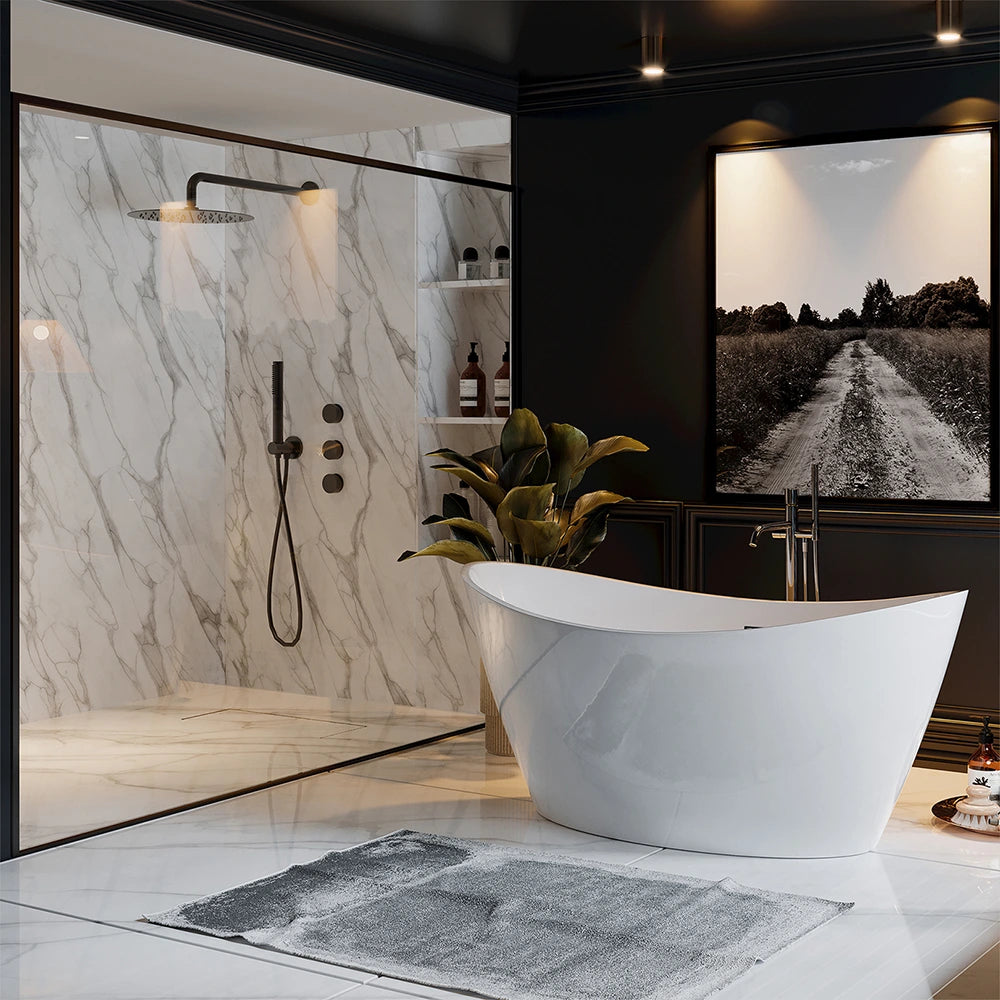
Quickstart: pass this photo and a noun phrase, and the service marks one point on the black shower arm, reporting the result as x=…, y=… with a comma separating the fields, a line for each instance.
x=241, y=182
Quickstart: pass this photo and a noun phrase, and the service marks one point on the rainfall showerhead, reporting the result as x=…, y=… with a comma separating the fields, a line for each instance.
x=185, y=214
x=189, y=212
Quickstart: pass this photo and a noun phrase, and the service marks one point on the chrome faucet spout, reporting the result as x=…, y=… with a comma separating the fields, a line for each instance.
x=762, y=528
x=795, y=537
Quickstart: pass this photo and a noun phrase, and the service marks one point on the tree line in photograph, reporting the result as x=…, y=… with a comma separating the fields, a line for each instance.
x=768, y=362
x=938, y=305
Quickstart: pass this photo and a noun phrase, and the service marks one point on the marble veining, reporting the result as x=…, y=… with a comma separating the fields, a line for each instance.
x=329, y=289
x=147, y=497
x=121, y=417
x=96, y=769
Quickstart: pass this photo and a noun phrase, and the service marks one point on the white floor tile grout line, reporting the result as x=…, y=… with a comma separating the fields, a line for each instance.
x=435, y=784
x=196, y=942
x=939, y=861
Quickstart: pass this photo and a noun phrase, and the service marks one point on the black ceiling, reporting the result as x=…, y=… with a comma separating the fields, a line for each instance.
x=538, y=41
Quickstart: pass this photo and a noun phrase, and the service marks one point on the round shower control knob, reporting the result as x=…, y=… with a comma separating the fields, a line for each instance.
x=333, y=483
x=333, y=449
x=333, y=413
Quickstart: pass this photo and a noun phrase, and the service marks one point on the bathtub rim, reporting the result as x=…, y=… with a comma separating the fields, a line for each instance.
x=863, y=607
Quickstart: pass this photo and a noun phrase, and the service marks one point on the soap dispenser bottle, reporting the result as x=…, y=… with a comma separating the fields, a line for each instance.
x=501, y=385
x=985, y=762
x=500, y=264
x=472, y=387
x=469, y=268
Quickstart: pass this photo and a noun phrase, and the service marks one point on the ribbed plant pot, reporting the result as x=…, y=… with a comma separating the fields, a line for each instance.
x=497, y=742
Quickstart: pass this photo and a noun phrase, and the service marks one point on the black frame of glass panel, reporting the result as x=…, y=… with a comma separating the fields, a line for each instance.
x=10, y=107
x=9, y=529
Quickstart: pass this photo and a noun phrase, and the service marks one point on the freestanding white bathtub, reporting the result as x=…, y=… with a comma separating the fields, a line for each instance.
x=654, y=716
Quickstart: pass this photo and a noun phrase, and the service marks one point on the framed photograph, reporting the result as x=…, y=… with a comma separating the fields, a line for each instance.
x=853, y=287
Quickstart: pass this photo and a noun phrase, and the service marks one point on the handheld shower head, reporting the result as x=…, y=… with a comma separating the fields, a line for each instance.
x=277, y=402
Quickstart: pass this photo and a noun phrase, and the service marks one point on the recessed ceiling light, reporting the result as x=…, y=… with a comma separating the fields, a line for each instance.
x=653, y=63
x=949, y=21
x=40, y=332
x=81, y=136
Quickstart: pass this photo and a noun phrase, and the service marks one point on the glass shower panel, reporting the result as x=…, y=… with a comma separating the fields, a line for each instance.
x=122, y=369
x=149, y=677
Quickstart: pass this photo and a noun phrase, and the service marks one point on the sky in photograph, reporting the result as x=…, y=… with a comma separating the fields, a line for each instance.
x=814, y=223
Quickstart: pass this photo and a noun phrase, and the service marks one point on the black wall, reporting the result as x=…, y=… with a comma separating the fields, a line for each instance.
x=614, y=319
x=614, y=324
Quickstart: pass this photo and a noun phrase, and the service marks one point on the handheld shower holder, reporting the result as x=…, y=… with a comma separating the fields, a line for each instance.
x=291, y=447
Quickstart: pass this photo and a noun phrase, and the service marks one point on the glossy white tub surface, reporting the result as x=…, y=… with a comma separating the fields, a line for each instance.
x=652, y=715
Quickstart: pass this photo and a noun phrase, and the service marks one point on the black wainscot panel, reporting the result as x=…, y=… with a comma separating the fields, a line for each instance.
x=643, y=545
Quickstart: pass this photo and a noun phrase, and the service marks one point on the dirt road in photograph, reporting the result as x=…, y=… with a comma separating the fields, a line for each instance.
x=872, y=434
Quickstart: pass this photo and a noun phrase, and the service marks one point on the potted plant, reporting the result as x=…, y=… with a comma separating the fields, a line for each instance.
x=528, y=483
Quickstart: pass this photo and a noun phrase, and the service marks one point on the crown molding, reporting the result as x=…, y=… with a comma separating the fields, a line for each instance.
x=273, y=35
x=923, y=53
x=283, y=38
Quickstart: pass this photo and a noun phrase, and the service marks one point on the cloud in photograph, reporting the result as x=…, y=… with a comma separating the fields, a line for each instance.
x=815, y=223
x=856, y=166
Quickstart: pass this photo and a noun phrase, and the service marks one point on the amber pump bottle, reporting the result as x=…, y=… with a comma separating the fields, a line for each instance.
x=985, y=762
x=472, y=387
x=501, y=385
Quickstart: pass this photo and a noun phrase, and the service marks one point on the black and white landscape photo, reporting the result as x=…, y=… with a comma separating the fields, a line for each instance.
x=853, y=318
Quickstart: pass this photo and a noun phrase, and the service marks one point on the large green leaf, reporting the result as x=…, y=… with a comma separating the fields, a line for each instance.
x=567, y=445
x=489, y=456
x=591, y=502
x=466, y=529
x=516, y=469
x=592, y=533
x=460, y=552
x=490, y=492
x=455, y=505
x=522, y=430
x=601, y=449
x=538, y=474
x=539, y=539
x=480, y=469
x=527, y=502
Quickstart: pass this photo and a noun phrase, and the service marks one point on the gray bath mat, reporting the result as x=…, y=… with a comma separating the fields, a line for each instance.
x=511, y=924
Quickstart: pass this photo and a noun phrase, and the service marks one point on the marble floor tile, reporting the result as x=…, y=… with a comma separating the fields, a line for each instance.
x=460, y=762
x=116, y=877
x=46, y=956
x=385, y=988
x=926, y=905
x=913, y=832
x=915, y=923
x=94, y=770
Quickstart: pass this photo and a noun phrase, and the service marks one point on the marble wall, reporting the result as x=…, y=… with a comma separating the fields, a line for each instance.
x=330, y=290
x=148, y=499
x=122, y=422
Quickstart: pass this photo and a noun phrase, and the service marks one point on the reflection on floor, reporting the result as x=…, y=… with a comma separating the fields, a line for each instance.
x=89, y=771
x=927, y=900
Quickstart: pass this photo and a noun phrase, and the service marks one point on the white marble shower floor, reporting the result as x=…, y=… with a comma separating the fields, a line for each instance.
x=98, y=769
x=927, y=900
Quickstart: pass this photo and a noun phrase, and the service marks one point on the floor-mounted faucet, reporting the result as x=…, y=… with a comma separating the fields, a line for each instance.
x=790, y=531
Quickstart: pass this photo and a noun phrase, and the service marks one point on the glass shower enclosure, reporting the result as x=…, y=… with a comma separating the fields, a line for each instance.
x=149, y=679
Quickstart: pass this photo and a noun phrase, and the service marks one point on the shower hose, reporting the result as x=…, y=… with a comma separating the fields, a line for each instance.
x=281, y=478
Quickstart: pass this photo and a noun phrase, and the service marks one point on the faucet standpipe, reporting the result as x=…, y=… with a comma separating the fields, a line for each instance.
x=788, y=530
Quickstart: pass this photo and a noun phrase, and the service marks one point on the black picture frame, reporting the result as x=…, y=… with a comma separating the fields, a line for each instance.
x=733, y=498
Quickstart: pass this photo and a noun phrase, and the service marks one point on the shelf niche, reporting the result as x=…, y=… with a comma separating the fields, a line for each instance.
x=452, y=313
